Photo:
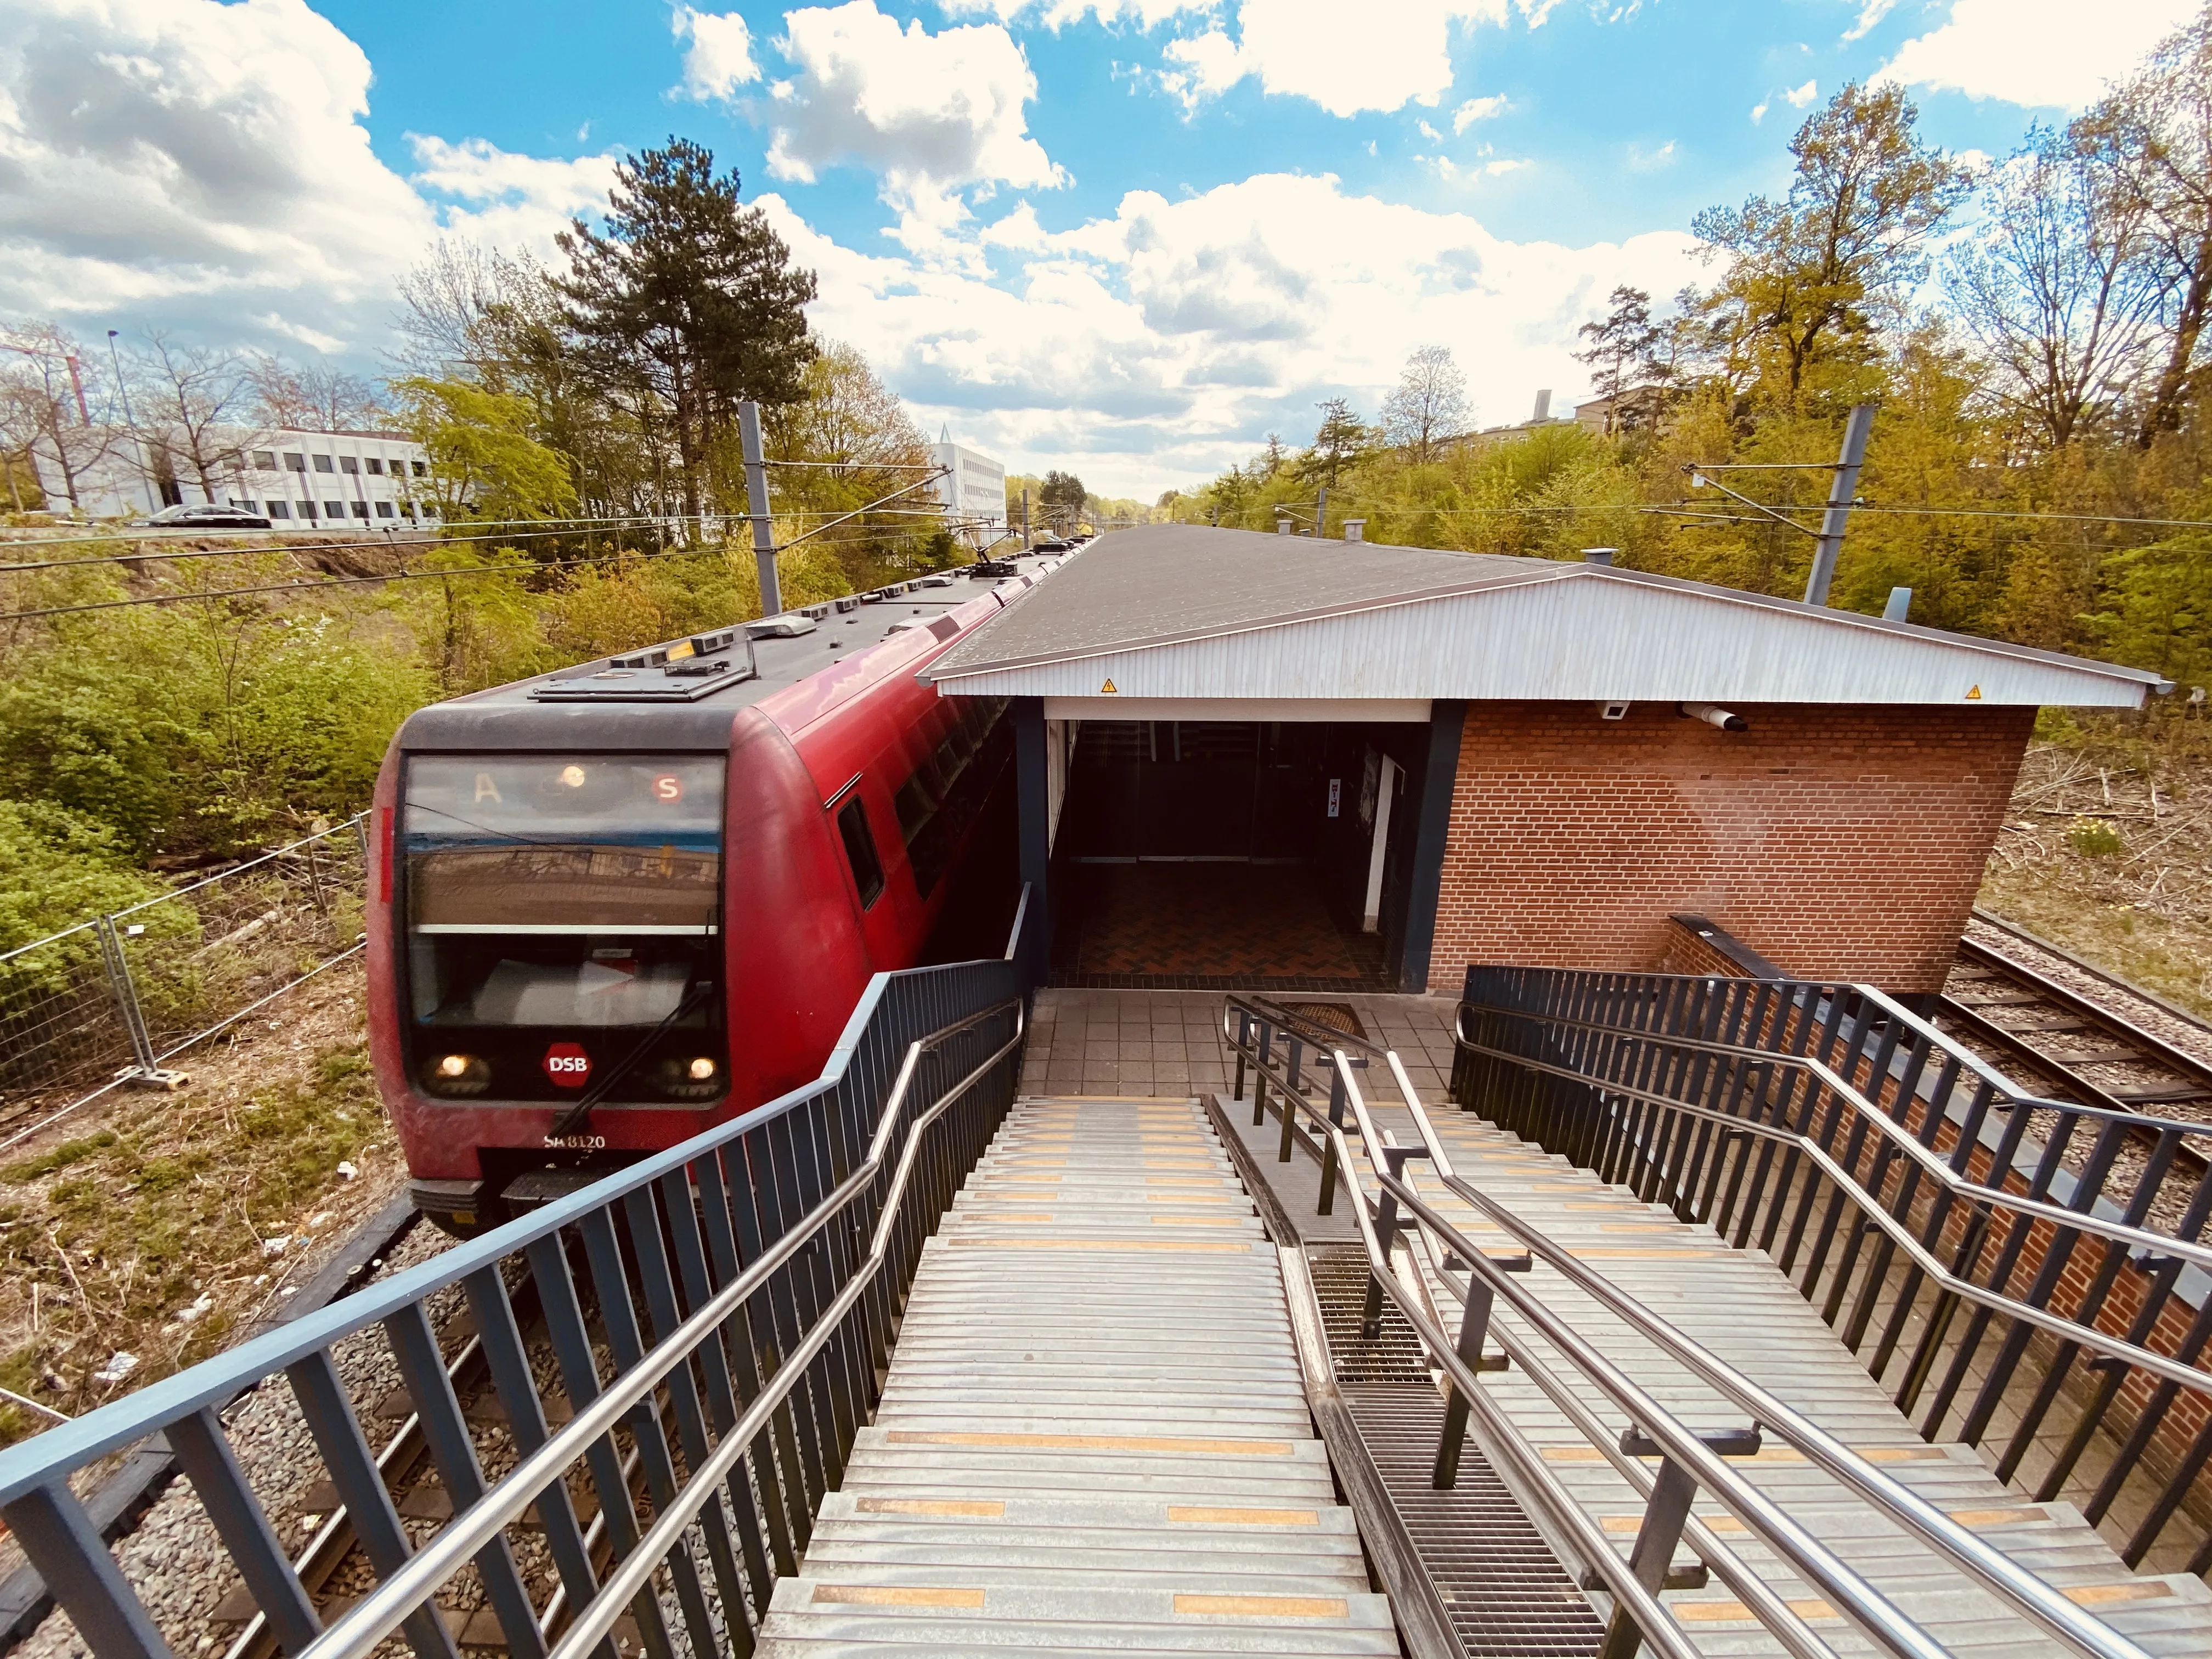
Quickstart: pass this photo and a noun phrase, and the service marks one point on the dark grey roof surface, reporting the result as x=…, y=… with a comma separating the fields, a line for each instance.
x=1158, y=580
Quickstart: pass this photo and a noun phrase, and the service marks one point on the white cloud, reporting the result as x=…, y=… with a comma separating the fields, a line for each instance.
x=930, y=114
x=2041, y=53
x=1505, y=164
x=1798, y=97
x=1157, y=345
x=1430, y=132
x=1641, y=160
x=1870, y=14
x=720, y=59
x=1477, y=109
x=207, y=166
x=1758, y=112
x=1396, y=52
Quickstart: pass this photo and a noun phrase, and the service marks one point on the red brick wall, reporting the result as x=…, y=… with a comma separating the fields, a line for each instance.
x=1842, y=842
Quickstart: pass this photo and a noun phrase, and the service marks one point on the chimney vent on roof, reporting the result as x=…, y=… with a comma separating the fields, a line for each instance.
x=1900, y=601
x=1599, y=555
x=1543, y=405
x=1355, y=530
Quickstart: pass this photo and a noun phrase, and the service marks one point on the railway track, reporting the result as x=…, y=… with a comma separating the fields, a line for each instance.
x=2066, y=1045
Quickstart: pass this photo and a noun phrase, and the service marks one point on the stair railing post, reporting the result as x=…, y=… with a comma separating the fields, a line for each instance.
x=1473, y=1326
x=1289, y=1101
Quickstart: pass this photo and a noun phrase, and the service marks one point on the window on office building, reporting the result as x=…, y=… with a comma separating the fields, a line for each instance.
x=244, y=504
x=384, y=509
x=334, y=509
x=296, y=463
x=307, y=509
x=280, y=509
x=422, y=469
x=361, y=509
x=375, y=467
x=322, y=464
x=265, y=459
x=349, y=464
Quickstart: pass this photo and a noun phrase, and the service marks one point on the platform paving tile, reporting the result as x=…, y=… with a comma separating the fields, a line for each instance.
x=1738, y=1305
x=1093, y=1438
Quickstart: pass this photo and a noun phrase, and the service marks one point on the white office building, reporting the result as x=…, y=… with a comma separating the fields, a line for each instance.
x=299, y=479
x=973, y=491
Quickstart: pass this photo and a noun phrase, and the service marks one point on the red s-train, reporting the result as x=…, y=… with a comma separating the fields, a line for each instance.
x=613, y=905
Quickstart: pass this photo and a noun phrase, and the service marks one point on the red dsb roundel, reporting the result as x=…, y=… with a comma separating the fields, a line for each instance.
x=668, y=788
x=567, y=1065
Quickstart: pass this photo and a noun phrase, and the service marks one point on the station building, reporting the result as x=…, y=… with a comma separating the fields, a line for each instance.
x=1300, y=765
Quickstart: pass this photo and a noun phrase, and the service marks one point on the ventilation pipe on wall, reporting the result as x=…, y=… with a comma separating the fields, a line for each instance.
x=1712, y=715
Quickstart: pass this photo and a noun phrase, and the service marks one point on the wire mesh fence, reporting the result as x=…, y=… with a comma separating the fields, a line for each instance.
x=105, y=1004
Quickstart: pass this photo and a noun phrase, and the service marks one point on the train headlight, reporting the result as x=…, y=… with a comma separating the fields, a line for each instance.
x=457, y=1074
x=572, y=777
x=693, y=1078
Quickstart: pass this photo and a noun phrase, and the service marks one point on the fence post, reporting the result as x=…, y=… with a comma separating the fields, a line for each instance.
x=127, y=996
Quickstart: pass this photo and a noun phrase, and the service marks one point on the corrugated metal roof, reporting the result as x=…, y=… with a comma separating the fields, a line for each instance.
x=1183, y=610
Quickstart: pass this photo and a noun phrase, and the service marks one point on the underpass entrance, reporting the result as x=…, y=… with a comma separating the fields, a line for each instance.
x=1204, y=852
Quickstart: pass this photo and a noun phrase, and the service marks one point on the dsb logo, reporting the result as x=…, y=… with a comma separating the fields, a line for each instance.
x=568, y=1066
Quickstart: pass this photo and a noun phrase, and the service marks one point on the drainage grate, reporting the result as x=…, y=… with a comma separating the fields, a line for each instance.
x=1502, y=1589
x=1394, y=1355
x=1336, y=1015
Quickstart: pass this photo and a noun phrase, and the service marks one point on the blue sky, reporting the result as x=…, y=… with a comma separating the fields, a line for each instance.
x=1132, y=236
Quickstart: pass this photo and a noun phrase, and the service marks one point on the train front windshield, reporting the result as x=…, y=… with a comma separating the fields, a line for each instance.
x=564, y=926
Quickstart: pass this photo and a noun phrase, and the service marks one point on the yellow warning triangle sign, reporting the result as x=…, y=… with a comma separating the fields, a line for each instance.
x=1973, y=694
x=1108, y=690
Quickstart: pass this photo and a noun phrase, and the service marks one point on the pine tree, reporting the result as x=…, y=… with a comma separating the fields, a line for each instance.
x=690, y=296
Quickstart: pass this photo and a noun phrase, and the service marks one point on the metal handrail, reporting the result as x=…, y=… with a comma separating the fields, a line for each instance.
x=1931, y=1163
x=700, y=1217
x=379, y=1612
x=1902, y=1236
x=1866, y=1606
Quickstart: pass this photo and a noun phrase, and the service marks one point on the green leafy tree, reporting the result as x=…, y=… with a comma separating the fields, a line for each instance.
x=1811, y=278
x=483, y=462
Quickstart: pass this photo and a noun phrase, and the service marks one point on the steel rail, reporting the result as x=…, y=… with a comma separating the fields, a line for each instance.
x=2156, y=1051
x=1931, y=1164
x=1878, y=1214
x=382, y=1611
x=1865, y=1606
x=2038, y=1601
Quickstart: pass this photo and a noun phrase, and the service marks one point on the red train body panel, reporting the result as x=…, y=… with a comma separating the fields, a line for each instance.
x=559, y=918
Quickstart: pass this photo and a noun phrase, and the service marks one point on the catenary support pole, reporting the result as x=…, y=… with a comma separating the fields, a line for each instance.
x=1841, y=493
x=755, y=459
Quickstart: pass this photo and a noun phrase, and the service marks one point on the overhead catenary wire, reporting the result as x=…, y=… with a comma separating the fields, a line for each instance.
x=310, y=586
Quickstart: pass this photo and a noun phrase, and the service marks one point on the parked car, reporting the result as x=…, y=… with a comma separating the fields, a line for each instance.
x=206, y=517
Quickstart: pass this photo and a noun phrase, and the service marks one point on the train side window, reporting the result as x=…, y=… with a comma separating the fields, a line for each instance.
x=860, y=850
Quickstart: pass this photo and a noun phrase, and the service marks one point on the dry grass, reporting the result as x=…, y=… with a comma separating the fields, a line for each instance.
x=153, y=1229
x=2107, y=850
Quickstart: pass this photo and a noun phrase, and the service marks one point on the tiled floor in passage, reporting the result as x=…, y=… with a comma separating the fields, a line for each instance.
x=1168, y=1042
x=1209, y=923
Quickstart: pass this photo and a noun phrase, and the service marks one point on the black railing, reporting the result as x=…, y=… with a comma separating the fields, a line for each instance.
x=771, y=1255
x=2025, y=1272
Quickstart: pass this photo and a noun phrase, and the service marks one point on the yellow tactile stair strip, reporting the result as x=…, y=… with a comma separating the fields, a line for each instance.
x=1740, y=1307
x=1094, y=1436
